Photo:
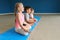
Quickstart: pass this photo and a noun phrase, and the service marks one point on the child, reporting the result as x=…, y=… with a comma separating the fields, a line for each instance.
x=29, y=15
x=20, y=25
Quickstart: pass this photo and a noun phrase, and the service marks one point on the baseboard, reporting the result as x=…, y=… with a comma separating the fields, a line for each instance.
x=46, y=13
x=6, y=13
x=34, y=13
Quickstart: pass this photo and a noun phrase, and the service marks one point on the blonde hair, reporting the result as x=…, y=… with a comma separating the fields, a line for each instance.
x=16, y=7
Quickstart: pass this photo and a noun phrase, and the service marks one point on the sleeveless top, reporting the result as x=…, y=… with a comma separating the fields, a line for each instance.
x=21, y=19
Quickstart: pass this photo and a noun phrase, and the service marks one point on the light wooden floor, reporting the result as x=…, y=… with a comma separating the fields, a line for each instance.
x=47, y=29
x=6, y=22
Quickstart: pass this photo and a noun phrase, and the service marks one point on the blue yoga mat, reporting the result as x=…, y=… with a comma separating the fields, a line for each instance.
x=12, y=35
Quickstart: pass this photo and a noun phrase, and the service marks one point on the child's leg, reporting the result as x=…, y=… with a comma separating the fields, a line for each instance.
x=31, y=24
x=21, y=31
x=33, y=21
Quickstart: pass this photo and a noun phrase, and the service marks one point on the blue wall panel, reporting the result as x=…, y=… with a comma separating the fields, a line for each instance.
x=40, y=6
x=44, y=6
x=4, y=6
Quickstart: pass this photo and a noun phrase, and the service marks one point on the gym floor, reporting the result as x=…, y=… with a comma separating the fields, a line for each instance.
x=47, y=29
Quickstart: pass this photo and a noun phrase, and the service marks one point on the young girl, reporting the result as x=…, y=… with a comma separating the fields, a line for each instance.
x=29, y=15
x=20, y=25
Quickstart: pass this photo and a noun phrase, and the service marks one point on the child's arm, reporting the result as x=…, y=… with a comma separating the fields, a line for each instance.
x=32, y=13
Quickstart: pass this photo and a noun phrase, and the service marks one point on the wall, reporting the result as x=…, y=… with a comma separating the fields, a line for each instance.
x=40, y=6
x=4, y=6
